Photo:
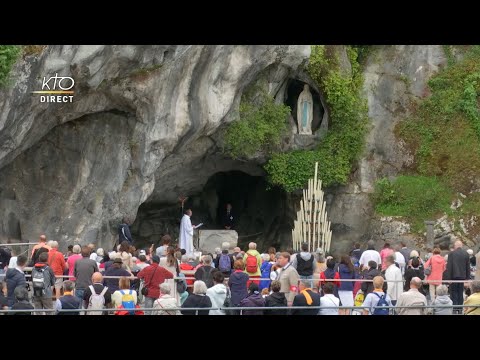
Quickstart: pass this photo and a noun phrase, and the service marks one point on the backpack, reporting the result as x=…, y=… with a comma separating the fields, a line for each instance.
x=225, y=264
x=36, y=255
x=128, y=302
x=38, y=281
x=355, y=261
x=96, y=301
x=252, y=265
x=381, y=302
x=359, y=299
x=207, y=277
x=181, y=284
x=305, y=267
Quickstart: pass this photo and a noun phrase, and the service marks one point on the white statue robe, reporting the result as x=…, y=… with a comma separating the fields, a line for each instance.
x=186, y=234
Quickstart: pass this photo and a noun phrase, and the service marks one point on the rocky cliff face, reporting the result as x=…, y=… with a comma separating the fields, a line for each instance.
x=74, y=170
x=143, y=127
x=395, y=79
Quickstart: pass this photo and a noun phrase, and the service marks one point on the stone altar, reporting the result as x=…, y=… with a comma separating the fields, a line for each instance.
x=211, y=239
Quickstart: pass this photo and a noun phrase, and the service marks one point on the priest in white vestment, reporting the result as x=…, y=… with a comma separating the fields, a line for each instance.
x=186, y=233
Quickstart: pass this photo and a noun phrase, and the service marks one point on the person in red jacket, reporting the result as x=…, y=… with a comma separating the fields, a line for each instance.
x=330, y=274
x=153, y=276
x=57, y=263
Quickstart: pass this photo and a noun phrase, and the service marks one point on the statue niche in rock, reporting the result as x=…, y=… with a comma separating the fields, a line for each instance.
x=305, y=111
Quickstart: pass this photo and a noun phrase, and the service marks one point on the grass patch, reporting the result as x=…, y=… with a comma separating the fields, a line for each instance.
x=417, y=198
x=444, y=133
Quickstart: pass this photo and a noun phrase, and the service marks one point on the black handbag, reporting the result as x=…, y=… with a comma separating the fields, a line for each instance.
x=228, y=303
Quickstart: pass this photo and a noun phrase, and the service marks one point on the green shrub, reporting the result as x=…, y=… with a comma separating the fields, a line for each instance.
x=8, y=56
x=261, y=127
x=346, y=135
x=444, y=132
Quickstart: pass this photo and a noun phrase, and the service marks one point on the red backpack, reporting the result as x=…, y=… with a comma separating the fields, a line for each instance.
x=251, y=264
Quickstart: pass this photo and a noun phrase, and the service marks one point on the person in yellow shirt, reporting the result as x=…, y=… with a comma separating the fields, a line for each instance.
x=473, y=300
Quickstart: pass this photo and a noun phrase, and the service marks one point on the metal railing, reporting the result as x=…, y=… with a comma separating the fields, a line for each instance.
x=240, y=309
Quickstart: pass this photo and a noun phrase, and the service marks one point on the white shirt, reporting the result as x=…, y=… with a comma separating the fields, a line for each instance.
x=400, y=259
x=13, y=262
x=369, y=255
x=372, y=300
x=393, y=275
x=329, y=300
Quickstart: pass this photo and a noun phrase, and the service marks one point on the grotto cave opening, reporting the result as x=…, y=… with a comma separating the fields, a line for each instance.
x=262, y=215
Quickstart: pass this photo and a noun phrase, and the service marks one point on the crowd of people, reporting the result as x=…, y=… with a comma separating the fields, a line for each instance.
x=168, y=281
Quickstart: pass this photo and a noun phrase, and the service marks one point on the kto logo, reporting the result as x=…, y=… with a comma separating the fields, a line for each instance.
x=56, y=89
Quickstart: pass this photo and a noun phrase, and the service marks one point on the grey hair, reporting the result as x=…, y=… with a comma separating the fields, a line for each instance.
x=185, y=258
x=416, y=281
x=252, y=246
x=207, y=259
x=165, y=288
x=265, y=257
x=54, y=244
x=475, y=286
x=49, y=243
x=21, y=293
x=76, y=249
x=199, y=287
x=442, y=290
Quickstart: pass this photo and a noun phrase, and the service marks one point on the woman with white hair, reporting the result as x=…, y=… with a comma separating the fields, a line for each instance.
x=99, y=257
x=442, y=302
x=216, y=257
x=165, y=302
x=198, y=299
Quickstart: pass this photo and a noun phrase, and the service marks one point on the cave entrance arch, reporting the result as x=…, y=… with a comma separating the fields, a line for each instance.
x=261, y=215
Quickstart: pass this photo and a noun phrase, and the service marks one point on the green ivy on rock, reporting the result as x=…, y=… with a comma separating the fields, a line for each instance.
x=8, y=56
x=345, y=138
x=261, y=127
